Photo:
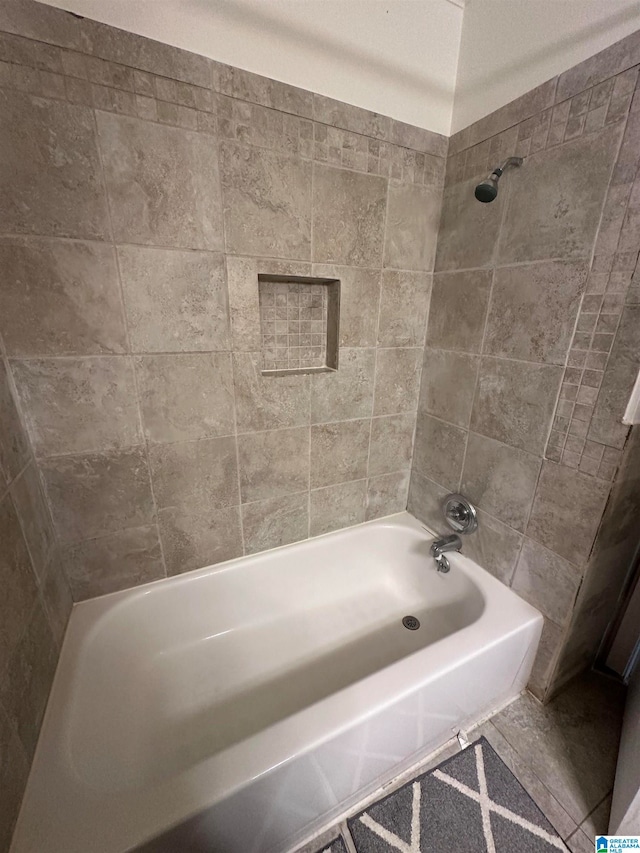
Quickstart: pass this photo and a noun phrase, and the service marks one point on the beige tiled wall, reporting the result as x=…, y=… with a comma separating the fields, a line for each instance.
x=608, y=571
x=35, y=603
x=532, y=344
x=147, y=188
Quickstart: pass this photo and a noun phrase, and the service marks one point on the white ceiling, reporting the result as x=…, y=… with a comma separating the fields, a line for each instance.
x=439, y=64
x=510, y=46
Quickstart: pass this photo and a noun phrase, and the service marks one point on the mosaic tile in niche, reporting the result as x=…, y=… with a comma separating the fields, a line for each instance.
x=298, y=323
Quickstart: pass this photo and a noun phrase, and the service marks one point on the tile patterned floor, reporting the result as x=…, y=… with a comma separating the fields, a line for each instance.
x=564, y=754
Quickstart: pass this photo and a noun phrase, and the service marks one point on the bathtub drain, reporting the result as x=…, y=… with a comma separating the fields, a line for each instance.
x=411, y=623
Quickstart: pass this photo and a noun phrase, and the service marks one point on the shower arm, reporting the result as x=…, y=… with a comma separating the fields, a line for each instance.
x=512, y=161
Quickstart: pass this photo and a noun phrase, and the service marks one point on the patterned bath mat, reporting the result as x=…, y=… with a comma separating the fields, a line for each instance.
x=471, y=803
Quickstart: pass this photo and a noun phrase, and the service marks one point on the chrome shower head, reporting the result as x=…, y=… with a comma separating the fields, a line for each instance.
x=488, y=189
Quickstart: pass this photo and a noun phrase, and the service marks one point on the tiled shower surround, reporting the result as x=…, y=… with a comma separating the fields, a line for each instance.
x=144, y=189
x=147, y=190
x=532, y=348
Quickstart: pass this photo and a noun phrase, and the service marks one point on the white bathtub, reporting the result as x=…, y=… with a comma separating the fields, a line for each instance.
x=244, y=704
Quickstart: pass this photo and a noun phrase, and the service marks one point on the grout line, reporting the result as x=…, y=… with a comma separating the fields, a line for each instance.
x=48, y=555
x=512, y=264
x=56, y=545
x=132, y=360
x=21, y=237
x=482, y=348
x=347, y=837
x=158, y=444
x=105, y=534
x=422, y=371
x=14, y=479
x=310, y=381
x=232, y=360
x=40, y=583
x=377, y=348
x=577, y=832
x=478, y=365
x=342, y=483
x=551, y=795
x=237, y=449
x=562, y=381
x=594, y=809
x=26, y=238
x=158, y=353
x=532, y=771
x=312, y=237
x=240, y=506
x=525, y=526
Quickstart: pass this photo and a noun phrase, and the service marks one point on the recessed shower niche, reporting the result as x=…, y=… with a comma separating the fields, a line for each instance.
x=299, y=321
